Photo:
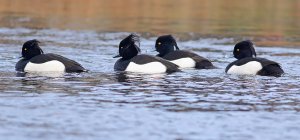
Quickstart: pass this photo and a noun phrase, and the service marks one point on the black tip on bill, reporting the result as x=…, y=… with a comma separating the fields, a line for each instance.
x=117, y=56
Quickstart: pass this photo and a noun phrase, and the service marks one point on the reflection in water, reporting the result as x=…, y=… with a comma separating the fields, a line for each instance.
x=173, y=92
x=40, y=74
x=128, y=76
x=269, y=22
x=232, y=93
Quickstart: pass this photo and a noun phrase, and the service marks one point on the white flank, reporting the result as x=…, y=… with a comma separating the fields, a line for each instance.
x=50, y=66
x=250, y=68
x=152, y=67
x=184, y=62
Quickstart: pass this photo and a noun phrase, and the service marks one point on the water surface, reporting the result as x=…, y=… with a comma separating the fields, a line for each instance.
x=192, y=104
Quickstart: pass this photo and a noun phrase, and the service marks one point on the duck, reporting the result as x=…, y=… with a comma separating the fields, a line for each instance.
x=248, y=64
x=168, y=49
x=133, y=61
x=33, y=59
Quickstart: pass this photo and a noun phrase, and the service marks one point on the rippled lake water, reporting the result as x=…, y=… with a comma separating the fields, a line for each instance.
x=103, y=104
x=192, y=104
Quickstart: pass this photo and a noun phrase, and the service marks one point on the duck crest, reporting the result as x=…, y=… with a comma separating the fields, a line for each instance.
x=31, y=49
x=129, y=47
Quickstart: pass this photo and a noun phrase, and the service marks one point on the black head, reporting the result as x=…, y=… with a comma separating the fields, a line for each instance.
x=165, y=44
x=31, y=49
x=129, y=47
x=244, y=49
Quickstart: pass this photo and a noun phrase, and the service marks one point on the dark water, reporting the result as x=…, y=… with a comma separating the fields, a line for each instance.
x=193, y=104
x=103, y=104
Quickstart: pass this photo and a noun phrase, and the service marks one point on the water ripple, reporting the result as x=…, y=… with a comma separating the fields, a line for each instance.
x=183, y=105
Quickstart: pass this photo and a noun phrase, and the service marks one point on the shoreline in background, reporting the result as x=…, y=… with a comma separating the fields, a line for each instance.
x=268, y=23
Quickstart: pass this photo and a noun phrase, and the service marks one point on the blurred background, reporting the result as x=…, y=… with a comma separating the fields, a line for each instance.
x=268, y=22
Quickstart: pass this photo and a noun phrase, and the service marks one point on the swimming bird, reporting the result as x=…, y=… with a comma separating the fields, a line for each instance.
x=167, y=48
x=132, y=61
x=34, y=60
x=248, y=63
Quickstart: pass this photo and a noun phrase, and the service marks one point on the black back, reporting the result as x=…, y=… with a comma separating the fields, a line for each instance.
x=122, y=64
x=269, y=68
x=71, y=65
x=167, y=48
x=143, y=59
x=201, y=62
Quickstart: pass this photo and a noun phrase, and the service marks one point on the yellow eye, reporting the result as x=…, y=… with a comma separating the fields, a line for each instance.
x=25, y=49
x=238, y=50
x=159, y=43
